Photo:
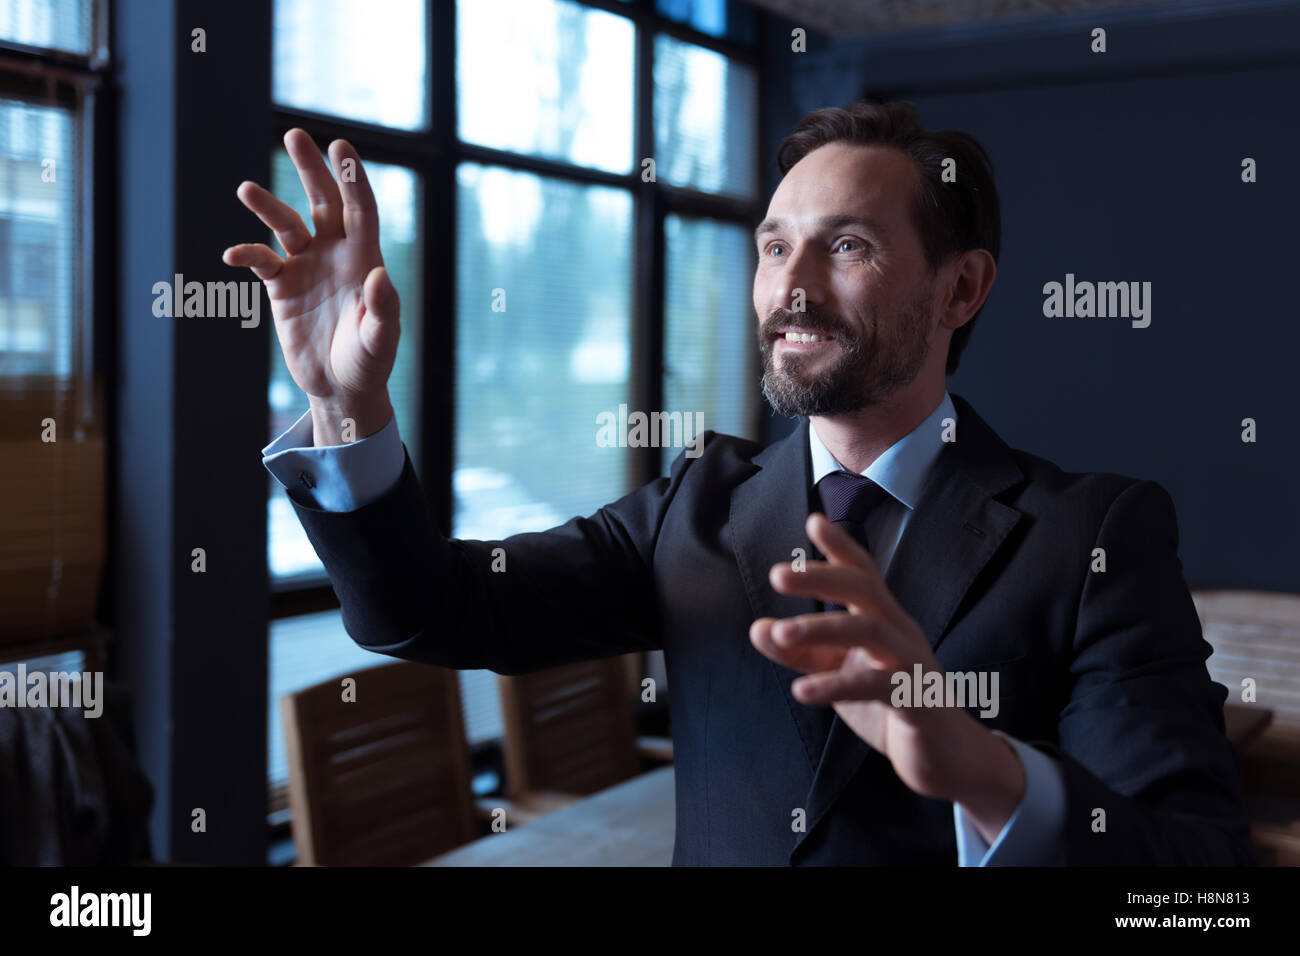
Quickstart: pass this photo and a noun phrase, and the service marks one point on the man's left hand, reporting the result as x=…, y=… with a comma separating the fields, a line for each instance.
x=849, y=658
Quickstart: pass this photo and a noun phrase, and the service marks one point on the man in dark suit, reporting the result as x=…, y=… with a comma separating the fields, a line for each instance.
x=890, y=638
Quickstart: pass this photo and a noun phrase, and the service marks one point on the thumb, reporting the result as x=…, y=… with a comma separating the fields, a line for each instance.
x=380, y=326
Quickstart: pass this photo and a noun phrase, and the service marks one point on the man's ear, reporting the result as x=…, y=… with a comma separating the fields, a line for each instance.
x=968, y=281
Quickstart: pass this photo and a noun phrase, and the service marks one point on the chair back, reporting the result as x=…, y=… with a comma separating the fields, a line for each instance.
x=379, y=776
x=569, y=729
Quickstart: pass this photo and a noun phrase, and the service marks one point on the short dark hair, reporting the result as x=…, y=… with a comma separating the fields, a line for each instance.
x=951, y=217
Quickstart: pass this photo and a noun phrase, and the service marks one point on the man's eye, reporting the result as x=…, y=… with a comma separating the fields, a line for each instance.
x=846, y=242
x=775, y=250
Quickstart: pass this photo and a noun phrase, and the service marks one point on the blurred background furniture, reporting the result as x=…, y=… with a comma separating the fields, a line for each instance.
x=72, y=792
x=569, y=732
x=1256, y=635
x=382, y=779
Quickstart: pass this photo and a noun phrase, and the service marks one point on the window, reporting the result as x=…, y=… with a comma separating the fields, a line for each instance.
x=549, y=277
x=728, y=19
x=569, y=91
x=38, y=247
x=710, y=367
x=544, y=322
x=706, y=127
x=62, y=25
x=335, y=57
x=52, y=524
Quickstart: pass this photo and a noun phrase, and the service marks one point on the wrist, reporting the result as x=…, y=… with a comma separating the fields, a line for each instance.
x=341, y=421
x=994, y=783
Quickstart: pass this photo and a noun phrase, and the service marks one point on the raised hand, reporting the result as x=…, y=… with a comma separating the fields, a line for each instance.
x=335, y=308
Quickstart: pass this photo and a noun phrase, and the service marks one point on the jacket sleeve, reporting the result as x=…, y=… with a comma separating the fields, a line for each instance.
x=1151, y=778
x=580, y=591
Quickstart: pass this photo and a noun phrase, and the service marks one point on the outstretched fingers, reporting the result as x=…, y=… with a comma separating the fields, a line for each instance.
x=256, y=256
x=360, y=213
x=842, y=551
x=277, y=216
x=855, y=680
x=322, y=191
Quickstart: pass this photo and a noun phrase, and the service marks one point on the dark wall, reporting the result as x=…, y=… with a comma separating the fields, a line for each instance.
x=1124, y=166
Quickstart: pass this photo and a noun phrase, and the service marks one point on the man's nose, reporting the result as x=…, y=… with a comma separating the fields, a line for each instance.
x=802, y=283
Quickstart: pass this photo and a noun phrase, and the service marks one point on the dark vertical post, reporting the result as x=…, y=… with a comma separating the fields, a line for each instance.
x=191, y=417
x=439, y=277
x=648, y=280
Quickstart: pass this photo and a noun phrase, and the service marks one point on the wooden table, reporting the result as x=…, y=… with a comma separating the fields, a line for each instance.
x=631, y=824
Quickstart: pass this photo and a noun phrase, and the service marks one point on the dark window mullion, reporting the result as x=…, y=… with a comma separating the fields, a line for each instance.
x=542, y=166
x=377, y=143
x=438, y=362
x=689, y=202
x=647, y=387
x=755, y=413
x=731, y=50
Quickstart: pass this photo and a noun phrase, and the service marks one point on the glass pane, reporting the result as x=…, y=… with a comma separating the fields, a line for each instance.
x=397, y=192
x=363, y=61
x=56, y=24
x=38, y=226
x=719, y=18
x=544, y=305
x=546, y=77
x=705, y=119
x=710, y=342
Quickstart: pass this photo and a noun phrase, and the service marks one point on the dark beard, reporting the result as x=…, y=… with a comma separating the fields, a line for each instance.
x=863, y=375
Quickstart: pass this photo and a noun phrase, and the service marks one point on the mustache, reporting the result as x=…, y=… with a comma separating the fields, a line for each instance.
x=814, y=320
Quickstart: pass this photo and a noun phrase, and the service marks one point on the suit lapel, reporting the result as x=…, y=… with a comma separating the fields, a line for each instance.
x=954, y=531
x=768, y=513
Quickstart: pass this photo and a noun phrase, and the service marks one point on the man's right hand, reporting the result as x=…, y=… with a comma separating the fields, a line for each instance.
x=335, y=308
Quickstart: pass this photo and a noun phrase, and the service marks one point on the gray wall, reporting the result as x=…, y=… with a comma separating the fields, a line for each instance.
x=1124, y=166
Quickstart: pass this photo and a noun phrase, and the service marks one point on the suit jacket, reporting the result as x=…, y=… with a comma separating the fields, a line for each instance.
x=1104, y=670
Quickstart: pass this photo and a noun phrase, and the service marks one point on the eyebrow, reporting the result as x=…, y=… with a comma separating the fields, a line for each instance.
x=825, y=223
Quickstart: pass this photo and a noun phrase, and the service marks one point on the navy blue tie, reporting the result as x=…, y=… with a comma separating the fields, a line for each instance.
x=847, y=500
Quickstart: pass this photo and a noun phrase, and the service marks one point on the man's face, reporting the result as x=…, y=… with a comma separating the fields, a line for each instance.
x=839, y=228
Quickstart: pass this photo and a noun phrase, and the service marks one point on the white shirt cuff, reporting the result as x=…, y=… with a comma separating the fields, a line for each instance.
x=1035, y=833
x=336, y=477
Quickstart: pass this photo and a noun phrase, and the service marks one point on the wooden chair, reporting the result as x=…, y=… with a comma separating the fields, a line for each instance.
x=569, y=732
x=383, y=780
x=1256, y=634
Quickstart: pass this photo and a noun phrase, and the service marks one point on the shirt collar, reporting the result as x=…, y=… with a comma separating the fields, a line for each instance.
x=902, y=468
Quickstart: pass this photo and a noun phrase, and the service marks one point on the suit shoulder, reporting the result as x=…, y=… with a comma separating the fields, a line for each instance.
x=719, y=453
x=1086, y=496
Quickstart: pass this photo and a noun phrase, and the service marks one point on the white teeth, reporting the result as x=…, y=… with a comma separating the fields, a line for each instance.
x=802, y=337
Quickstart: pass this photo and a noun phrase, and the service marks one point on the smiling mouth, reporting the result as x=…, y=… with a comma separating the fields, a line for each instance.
x=800, y=337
